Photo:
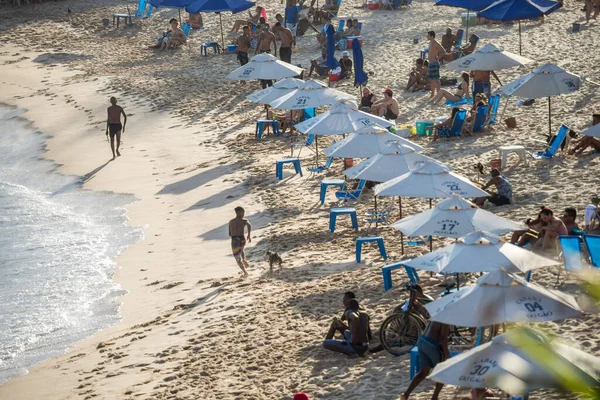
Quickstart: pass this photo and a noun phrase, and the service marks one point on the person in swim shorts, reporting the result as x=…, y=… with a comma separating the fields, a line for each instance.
x=386, y=107
x=238, y=241
x=243, y=46
x=433, y=349
x=113, y=125
x=435, y=52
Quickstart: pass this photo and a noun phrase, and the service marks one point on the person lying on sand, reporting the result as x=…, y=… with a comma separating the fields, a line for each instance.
x=462, y=91
x=238, y=241
x=195, y=21
x=503, y=193
x=587, y=141
x=433, y=349
x=113, y=125
x=386, y=107
x=357, y=334
x=553, y=228
x=252, y=19
x=172, y=38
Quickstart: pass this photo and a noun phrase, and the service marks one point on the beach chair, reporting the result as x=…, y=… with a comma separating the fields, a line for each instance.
x=186, y=28
x=340, y=27
x=494, y=103
x=459, y=37
x=457, y=125
x=462, y=102
x=553, y=148
x=592, y=242
x=379, y=216
x=351, y=194
x=571, y=252
x=321, y=168
x=480, y=118
x=309, y=141
x=142, y=5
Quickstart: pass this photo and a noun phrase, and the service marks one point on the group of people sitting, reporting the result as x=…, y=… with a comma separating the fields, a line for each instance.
x=320, y=66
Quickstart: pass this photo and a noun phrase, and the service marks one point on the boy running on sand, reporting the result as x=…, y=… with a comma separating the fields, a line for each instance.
x=238, y=241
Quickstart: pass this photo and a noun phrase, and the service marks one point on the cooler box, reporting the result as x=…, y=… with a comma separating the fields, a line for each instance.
x=421, y=125
x=231, y=48
x=352, y=39
x=472, y=17
x=373, y=6
x=404, y=132
x=333, y=77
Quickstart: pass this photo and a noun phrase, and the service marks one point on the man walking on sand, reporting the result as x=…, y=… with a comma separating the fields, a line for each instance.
x=238, y=241
x=433, y=349
x=113, y=125
x=435, y=52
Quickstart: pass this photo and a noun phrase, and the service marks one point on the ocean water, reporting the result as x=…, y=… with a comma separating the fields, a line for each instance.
x=57, y=242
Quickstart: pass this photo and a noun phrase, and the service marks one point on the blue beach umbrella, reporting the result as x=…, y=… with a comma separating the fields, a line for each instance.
x=360, y=77
x=469, y=5
x=171, y=4
x=218, y=6
x=331, y=62
x=511, y=10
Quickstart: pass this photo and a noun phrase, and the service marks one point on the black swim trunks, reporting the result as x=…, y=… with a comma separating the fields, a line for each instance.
x=114, y=128
x=285, y=54
x=389, y=115
x=242, y=57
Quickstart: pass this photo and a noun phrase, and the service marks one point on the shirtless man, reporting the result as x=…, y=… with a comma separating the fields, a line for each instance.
x=238, y=241
x=265, y=39
x=113, y=125
x=587, y=141
x=436, y=51
x=357, y=334
x=386, y=107
x=433, y=349
x=195, y=21
x=481, y=82
x=569, y=218
x=448, y=40
x=553, y=227
x=252, y=19
x=243, y=43
x=287, y=41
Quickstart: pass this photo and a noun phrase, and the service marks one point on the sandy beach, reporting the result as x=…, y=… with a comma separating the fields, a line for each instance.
x=191, y=327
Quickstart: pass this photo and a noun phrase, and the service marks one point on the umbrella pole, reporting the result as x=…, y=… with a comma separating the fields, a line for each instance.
x=519, y=37
x=180, y=17
x=503, y=110
x=317, y=151
x=376, y=217
x=430, y=237
x=549, y=118
x=401, y=234
x=222, y=38
x=468, y=18
x=291, y=136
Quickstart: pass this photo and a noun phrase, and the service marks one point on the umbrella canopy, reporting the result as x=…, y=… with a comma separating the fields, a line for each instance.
x=502, y=297
x=507, y=363
x=367, y=142
x=279, y=89
x=473, y=5
x=511, y=10
x=310, y=94
x=431, y=180
x=341, y=118
x=264, y=66
x=455, y=217
x=480, y=252
x=360, y=76
x=592, y=131
x=545, y=81
x=331, y=62
x=171, y=3
x=218, y=6
x=394, y=160
x=488, y=58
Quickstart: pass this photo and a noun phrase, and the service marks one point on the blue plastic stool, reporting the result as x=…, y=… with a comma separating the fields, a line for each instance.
x=325, y=183
x=360, y=241
x=213, y=45
x=260, y=126
x=279, y=166
x=334, y=212
x=387, y=274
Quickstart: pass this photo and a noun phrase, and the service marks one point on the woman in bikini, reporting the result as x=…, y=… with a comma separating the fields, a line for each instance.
x=463, y=90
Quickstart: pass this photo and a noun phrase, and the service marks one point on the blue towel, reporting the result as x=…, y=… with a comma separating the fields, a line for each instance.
x=461, y=102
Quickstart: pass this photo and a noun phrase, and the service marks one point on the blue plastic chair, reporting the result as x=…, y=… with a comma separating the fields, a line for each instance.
x=186, y=28
x=351, y=194
x=457, y=125
x=309, y=141
x=592, y=242
x=571, y=252
x=210, y=45
x=335, y=211
x=308, y=114
x=142, y=9
x=480, y=118
x=553, y=148
x=377, y=239
x=340, y=27
x=262, y=123
x=279, y=166
x=494, y=103
x=387, y=274
x=459, y=37
x=321, y=168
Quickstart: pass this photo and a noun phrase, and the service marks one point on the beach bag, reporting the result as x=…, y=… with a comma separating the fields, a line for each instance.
x=444, y=81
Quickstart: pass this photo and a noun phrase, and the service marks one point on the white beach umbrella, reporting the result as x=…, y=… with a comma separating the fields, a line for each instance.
x=367, y=142
x=502, y=297
x=394, y=160
x=264, y=66
x=488, y=58
x=593, y=130
x=480, y=252
x=342, y=117
x=310, y=94
x=545, y=81
x=455, y=217
x=431, y=180
x=279, y=89
x=517, y=362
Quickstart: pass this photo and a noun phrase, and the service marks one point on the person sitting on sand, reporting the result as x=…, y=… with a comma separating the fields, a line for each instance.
x=252, y=19
x=448, y=40
x=286, y=119
x=569, y=218
x=422, y=81
x=503, y=193
x=338, y=325
x=356, y=337
x=319, y=64
x=553, y=227
x=172, y=38
x=531, y=235
x=195, y=21
x=238, y=241
x=433, y=349
x=416, y=74
x=367, y=100
x=113, y=125
x=462, y=91
x=587, y=141
x=444, y=128
x=355, y=28
x=386, y=107
x=346, y=65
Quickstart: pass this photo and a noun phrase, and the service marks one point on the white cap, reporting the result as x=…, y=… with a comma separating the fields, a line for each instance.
x=345, y=54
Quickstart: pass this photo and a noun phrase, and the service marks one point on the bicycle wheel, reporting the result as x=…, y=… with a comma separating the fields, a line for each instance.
x=399, y=333
x=462, y=337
